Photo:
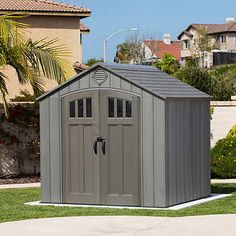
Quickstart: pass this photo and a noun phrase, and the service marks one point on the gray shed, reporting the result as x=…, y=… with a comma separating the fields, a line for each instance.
x=124, y=135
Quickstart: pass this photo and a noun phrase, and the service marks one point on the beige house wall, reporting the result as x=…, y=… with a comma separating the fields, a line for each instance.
x=64, y=28
x=229, y=46
x=223, y=118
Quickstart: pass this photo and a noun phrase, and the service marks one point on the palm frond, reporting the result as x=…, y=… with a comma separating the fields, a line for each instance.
x=3, y=92
x=15, y=57
x=12, y=31
x=48, y=58
x=37, y=84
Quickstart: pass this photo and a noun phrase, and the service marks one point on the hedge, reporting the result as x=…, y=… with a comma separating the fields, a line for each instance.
x=223, y=156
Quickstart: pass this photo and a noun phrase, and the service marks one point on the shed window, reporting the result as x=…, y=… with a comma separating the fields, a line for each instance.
x=72, y=109
x=80, y=108
x=111, y=107
x=88, y=107
x=128, y=108
x=119, y=108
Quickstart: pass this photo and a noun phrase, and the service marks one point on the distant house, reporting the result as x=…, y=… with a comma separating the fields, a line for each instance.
x=223, y=39
x=156, y=49
x=49, y=19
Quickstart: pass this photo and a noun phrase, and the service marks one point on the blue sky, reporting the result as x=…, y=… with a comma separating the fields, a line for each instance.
x=153, y=18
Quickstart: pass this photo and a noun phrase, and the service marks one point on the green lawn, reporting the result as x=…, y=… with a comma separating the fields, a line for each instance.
x=12, y=206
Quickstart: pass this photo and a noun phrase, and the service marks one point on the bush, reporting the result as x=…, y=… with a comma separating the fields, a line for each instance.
x=223, y=156
x=232, y=132
x=217, y=83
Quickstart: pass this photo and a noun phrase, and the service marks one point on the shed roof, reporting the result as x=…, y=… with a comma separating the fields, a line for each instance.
x=147, y=78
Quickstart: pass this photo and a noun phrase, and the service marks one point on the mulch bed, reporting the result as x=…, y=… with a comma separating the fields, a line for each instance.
x=19, y=179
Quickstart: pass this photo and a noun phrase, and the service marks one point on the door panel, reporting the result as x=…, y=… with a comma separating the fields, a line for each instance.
x=80, y=164
x=112, y=175
x=120, y=165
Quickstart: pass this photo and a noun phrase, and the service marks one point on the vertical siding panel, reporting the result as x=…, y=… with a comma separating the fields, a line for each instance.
x=115, y=81
x=85, y=82
x=170, y=133
x=187, y=153
x=45, y=151
x=135, y=89
x=64, y=91
x=74, y=86
x=148, y=149
x=55, y=148
x=180, y=157
x=159, y=153
x=206, y=147
x=125, y=85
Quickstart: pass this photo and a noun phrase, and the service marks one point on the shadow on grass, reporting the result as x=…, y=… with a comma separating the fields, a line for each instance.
x=223, y=188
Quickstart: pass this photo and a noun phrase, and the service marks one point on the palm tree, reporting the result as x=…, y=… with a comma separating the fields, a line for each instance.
x=32, y=60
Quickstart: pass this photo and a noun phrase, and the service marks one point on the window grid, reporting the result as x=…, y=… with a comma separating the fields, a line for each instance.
x=119, y=108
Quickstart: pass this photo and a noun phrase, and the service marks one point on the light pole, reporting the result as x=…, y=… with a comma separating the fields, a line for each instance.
x=105, y=41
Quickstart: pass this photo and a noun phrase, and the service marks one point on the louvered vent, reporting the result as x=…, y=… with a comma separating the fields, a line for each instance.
x=100, y=76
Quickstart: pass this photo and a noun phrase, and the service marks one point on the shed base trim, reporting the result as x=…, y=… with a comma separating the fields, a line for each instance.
x=176, y=207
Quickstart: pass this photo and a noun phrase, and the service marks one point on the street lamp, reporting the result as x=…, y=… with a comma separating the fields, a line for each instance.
x=117, y=32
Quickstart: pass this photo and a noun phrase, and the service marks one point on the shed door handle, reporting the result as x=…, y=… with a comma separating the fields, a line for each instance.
x=104, y=147
x=95, y=147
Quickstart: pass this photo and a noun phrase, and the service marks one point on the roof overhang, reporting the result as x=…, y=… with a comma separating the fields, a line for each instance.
x=102, y=65
x=48, y=13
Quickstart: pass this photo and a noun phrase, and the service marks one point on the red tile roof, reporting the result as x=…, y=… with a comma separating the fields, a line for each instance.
x=159, y=48
x=40, y=6
x=84, y=28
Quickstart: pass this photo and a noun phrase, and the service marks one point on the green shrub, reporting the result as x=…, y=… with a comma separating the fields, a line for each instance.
x=232, y=132
x=223, y=156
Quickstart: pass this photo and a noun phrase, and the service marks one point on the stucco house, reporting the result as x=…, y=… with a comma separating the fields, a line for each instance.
x=223, y=37
x=48, y=19
x=156, y=49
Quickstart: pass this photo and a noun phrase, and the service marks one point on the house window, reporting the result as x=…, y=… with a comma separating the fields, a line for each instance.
x=222, y=39
x=186, y=44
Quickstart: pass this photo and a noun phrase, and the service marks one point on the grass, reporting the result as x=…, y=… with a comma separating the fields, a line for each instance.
x=12, y=206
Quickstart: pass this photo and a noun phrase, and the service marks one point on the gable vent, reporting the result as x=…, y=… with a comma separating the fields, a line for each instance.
x=100, y=76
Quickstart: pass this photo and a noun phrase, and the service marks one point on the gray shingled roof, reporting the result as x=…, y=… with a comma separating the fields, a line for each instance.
x=155, y=81
x=148, y=78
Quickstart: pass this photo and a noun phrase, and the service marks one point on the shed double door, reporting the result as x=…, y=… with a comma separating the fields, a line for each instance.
x=100, y=150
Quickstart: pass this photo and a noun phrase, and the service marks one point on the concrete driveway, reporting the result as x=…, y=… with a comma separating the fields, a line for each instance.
x=123, y=225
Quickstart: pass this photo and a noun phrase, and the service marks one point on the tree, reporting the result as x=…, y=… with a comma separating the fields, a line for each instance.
x=132, y=51
x=93, y=61
x=32, y=60
x=168, y=64
x=203, y=43
x=215, y=82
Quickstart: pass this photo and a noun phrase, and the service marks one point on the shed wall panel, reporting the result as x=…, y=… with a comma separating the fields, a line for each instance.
x=115, y=82
x=64, y=91
x=148, y=148
x=74, y=86
x=125, y=85
x=85, y=82
x=55, y=148
x=188, y=145
x=45, y=151
x=159, y=153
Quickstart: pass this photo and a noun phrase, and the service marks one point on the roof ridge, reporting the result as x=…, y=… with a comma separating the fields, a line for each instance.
x=52, y=2
x=231, y=25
